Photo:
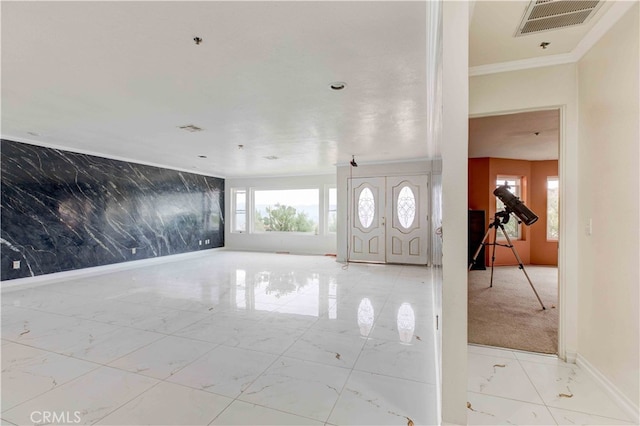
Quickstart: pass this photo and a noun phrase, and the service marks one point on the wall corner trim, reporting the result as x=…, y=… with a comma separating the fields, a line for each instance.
x=630, y=408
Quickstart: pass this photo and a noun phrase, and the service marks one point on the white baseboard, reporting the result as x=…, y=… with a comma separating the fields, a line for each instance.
x=629, y=407
x=570, y=357
x=38, y=280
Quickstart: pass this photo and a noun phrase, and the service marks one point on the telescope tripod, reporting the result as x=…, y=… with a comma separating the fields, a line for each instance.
x=498, y=223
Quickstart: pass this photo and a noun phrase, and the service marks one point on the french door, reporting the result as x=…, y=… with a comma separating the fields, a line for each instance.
x=389, y=220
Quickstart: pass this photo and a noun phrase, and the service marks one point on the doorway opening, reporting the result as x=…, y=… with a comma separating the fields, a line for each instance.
x=521, y=150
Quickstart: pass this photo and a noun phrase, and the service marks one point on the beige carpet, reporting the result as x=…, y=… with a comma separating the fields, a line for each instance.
x=508, y=315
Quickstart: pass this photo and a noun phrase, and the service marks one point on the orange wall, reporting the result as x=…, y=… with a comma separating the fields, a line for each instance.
x=532, y=247
x=543, y=252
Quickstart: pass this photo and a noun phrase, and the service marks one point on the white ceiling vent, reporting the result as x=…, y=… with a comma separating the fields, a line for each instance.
x=547, y=15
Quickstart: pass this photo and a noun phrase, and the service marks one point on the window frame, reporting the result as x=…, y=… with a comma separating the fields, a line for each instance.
x=519, y=186
x=327, y=209
x=234, y=210
x=251, y=219
x=552, y=240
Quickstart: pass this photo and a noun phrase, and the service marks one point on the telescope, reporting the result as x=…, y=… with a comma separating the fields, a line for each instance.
x=514, y=205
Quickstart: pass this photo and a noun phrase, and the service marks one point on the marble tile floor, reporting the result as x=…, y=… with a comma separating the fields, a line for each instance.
x=230, y=338
x=252, y=338
x=521, y=388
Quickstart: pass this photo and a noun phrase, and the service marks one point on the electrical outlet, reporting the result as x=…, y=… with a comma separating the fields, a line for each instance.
x=200, y=242
x=588, y=229
x=16, y=264
x=133, y=250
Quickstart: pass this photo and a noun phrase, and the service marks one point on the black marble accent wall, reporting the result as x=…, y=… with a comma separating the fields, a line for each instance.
x=63, y=211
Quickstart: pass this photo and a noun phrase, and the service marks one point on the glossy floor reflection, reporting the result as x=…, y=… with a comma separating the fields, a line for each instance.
x=228, y=338
x=521, y=388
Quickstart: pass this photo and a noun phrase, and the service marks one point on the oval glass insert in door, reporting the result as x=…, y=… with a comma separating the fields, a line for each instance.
x=366, y=207
x=406, y=207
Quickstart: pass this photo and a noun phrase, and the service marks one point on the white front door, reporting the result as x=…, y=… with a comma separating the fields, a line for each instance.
x=366, y=242
x=389, y=219
x=407, y=233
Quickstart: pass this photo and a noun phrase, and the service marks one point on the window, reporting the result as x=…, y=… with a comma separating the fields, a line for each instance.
x=552, y=208
x=332, y=213
x=287, y=210
x=239, y=203
x=512, y=228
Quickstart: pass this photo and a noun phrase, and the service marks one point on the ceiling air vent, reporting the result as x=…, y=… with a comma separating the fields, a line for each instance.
x=546, y=15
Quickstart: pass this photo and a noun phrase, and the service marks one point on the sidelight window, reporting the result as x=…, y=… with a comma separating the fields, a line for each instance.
x=552, y=208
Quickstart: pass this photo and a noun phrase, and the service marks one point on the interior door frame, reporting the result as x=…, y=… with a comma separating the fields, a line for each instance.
x=564, y=305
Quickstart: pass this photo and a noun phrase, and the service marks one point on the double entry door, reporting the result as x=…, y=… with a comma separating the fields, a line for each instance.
x=389, y=219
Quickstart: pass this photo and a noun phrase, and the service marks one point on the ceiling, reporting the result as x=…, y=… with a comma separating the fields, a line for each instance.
x=526, y=136
x=493, y=48
x=494, y=23
x=120, y=79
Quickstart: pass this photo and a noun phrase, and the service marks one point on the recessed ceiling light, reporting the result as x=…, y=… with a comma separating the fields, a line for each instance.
x=544, y=44
x=33, y=134
x=240, y=146
x=271, y=157
x=202, y=156
x=338, y=85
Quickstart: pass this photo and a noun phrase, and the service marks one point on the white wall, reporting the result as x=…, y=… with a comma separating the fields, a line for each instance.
x=454, y=145
x=599, y=164
x=608, y=315
x=542, y=88
x=368, y=170
x=272, y=242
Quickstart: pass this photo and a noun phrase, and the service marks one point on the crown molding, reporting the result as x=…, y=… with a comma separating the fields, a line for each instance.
x=604, y=24
x=617, y=10
x=59, y=147
x=543, y=61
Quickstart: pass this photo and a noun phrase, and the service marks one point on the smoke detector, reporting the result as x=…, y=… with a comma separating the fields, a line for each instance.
x=548, y=15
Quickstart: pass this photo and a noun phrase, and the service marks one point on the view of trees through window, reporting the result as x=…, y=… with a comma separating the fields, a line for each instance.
x=286, y=210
